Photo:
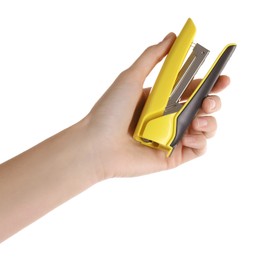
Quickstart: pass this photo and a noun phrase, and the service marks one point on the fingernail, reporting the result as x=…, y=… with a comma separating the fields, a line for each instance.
x=212, y=104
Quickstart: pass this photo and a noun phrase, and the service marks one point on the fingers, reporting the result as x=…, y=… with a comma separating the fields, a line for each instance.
x=206, y=125
x=222, y=82
x=211, y=104
x=150, y=57
x=195, y=142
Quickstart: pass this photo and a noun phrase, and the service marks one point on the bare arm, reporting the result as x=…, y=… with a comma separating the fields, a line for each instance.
x=40, y=179
x=45, y=176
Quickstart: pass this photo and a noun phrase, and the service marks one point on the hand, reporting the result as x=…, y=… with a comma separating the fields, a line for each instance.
x=99, y=147
x=112, y=121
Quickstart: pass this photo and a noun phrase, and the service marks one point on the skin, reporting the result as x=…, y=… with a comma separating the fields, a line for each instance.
x=94, y=149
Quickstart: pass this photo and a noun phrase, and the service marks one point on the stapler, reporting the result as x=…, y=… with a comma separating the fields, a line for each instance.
x=165, y=117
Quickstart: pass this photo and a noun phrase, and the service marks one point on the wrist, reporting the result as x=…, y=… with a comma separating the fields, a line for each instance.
x=91, y=167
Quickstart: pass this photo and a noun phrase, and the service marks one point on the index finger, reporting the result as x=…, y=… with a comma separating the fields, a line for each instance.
x=222, y=82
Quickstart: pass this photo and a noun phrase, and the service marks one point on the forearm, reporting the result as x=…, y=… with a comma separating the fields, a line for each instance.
x=45, y=176
x=99, y=147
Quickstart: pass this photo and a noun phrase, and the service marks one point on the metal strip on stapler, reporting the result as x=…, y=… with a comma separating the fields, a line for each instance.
x=185, y=76
x=166, y=115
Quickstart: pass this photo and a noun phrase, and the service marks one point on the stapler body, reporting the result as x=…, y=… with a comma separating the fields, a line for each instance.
x=165, y=117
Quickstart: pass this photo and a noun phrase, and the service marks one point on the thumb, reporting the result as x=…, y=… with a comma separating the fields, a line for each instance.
x=150, y=57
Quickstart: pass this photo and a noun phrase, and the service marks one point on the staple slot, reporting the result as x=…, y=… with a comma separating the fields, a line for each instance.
x=185, y=76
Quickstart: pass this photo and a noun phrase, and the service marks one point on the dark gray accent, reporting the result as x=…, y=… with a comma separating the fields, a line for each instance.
x=185, y=118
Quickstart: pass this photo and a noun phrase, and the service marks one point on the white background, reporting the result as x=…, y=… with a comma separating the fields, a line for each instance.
x=57, y=58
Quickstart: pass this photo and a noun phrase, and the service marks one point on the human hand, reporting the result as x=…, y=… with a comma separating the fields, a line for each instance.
x=98, y=147
x=112, y=121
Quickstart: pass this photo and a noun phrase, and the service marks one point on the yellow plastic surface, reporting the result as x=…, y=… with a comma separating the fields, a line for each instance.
x=154, y=129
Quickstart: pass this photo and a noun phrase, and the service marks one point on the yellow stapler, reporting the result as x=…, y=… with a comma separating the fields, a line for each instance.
x=165, y=118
